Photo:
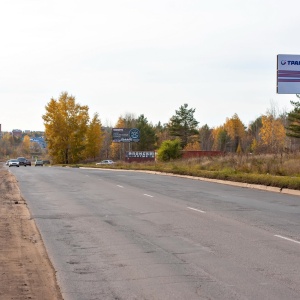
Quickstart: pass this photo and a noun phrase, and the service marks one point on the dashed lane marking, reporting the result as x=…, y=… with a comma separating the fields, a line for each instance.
x=202, y=211
x=286, y=238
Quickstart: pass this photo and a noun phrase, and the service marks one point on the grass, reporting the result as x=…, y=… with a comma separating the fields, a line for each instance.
x=281, y=171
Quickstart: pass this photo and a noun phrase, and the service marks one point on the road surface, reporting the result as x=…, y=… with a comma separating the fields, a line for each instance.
x=132, y=235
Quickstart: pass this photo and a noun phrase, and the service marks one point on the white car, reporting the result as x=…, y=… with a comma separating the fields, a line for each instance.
x=39, y=162
x=105, y=162
x=13, y=162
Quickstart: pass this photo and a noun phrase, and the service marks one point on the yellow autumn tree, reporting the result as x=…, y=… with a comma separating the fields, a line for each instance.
x=94, y=138
x=65, y=129
x=272, y=133
x=6, y=145
x=26, y=144
x=192, y=146
x=220, y=138
x=236, y=131
x=254, y=145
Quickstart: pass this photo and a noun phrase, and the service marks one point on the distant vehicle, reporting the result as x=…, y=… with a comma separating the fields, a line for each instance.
x=13, y=162
x=106, y=162
x=46, y=162
x=28, y=162
x=22, y=161
x=39, y=163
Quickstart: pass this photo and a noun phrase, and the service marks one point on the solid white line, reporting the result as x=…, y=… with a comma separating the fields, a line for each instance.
x=288, y=239
x=196, y=210
x=120, y=186
x=148, y=195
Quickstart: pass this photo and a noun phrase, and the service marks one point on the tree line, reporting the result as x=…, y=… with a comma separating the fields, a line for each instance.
x=13, y=146
x=72, y=136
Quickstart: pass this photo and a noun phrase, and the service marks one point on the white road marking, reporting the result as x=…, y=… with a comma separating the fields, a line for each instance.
x=197, y=210
x=148, y=195
x=120, y=186
x=288, y=239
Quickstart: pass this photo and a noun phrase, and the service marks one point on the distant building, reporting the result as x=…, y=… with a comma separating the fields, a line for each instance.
x=40, y=140
x=17, y=133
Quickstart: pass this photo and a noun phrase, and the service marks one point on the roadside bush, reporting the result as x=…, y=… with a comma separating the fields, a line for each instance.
x=169, y=150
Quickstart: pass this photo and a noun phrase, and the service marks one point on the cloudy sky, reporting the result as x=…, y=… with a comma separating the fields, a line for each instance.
x=144, y=57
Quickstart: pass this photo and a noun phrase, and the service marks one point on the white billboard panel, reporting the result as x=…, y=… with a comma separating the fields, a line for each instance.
x=125, y=135
x=288, y=74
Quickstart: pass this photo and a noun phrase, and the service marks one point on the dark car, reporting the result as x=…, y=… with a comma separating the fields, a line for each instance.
x=22, y=161
x=28, y=162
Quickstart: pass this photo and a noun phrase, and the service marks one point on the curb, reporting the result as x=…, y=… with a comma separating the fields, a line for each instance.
x=232, y=183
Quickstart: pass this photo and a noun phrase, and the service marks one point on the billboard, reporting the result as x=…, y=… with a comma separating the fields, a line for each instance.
x=288, y=74
x=125, y=135
x=140, y=154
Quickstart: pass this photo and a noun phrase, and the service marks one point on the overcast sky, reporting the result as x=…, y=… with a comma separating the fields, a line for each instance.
x=144, y=57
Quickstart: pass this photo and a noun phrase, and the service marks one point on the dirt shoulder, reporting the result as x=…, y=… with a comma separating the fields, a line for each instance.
x=25, y=269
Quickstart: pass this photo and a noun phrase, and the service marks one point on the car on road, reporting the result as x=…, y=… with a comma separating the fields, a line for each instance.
x=13, y=163
x=39, y=163
x=22, y=161
x=106, y=162
x=28, y=162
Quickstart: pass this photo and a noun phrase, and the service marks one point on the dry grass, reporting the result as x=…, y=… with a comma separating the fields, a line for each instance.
x=272, y=170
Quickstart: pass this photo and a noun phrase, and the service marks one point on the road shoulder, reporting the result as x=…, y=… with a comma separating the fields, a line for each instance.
x=26, y=271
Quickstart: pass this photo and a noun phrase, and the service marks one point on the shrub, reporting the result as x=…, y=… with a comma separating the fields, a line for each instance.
x=169, y=150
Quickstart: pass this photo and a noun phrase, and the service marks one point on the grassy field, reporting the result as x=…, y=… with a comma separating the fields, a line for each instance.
x=281, y=171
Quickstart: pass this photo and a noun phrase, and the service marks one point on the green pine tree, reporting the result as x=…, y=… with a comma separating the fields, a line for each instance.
x=183, y=125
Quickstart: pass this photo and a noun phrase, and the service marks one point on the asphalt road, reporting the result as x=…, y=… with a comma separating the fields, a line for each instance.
x=132, y=235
